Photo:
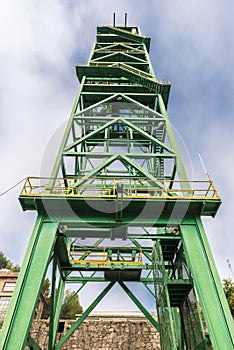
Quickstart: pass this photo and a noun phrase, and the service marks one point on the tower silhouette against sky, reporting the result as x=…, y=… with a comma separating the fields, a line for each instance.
x=118, y=208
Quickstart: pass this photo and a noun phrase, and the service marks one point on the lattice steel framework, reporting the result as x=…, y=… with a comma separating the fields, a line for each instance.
x=119, y=182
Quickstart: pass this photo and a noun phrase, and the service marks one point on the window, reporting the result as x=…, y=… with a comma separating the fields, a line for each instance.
x=119, y=128
x=9, y=286
x=4, y=302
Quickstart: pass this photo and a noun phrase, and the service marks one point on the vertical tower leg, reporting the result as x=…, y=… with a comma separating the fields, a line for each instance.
x=56, y=304
x=178, y=314
x=208, y=286
x=24, y=300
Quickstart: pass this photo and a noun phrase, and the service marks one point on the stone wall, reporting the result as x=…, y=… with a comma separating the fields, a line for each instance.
x=133, y=333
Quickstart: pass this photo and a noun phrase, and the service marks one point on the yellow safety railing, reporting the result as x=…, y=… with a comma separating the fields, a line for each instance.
x=118, y=188
x=103, y=258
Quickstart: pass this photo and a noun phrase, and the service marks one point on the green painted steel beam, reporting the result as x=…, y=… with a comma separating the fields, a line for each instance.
x=120, y=97
x=144, y=251
x=148, y=136
x=20, y=313
x=79, y=279
x=149, y=290
x=79, y=119
x=32, y=344
x=133, y=74
x=52, y=304
x=57, y=163
x=129, y=155
x=129, y=58
x=101, y=266
x=125, y=34
x=126, y=161
x=141, y=171
x=93, y=172
x=155, y=216
x=92, y=52
x=137, y=92
x=215, y=308
x=128, y=249
x=108, y=99
x=180, y=166
x=131, y=47
x=154, y=237
x=55, y=317
x=139, y=305
x=91, y=134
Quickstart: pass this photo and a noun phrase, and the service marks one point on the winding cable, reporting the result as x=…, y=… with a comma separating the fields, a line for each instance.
x=11, y=188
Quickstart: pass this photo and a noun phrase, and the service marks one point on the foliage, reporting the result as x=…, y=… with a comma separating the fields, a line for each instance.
x=70, y=307
x=46, y=288
x=7, y=264
x=46, y=293
x=228, y=287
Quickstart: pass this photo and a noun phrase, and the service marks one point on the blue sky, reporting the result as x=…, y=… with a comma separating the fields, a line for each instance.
x=192, y=46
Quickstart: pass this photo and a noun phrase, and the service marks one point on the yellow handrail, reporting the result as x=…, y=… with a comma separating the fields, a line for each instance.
x=126, y=188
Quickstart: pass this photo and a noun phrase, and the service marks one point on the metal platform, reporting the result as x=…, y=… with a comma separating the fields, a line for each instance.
x=89, y=198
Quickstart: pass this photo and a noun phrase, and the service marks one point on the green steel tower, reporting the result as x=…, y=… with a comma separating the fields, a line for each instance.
x=119, y=182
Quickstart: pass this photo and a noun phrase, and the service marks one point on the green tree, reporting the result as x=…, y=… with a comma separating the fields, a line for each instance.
x=7, y=264
x=46, y=293
x=4, y=262
x=46, y=288
x=228, y=287
x=71, y=305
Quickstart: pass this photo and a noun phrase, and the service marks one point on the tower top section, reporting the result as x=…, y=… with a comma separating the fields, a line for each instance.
x=122, y=33
x=119, y=62
x=119, y=146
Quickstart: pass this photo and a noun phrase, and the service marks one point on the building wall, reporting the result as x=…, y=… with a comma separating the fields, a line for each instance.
x=104, y=333
x=7, y=283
